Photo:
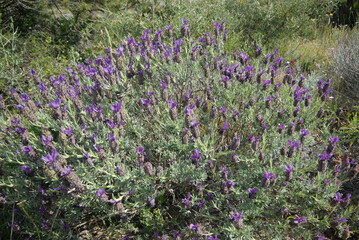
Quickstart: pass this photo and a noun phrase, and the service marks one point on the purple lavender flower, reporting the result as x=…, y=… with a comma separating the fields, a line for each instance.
x=151, y=202
x=340, y=220
x=325, y=156
x=194, y=124
x=289, y=168
x=20, y=130
x=65, y=226
x=194, y=227
x=334, y=140
x=185, y=30
x=188, y=96
x=196, y=155
x=224, y=128
x=299, y=220
x=26, y=149
x=237, y=219
x=294, y=144
x=172, y=103
x=67, y=131
x=319, y=236
x=149, y=93
x=45, y=225
x=32, y=71
x=235, y=143
x=97, y=147
x=268, y=101
x=224, y=172
x=100, y=192
x=176, y=234
x=110, y=123
x=338, y=197
x=145, y=102
x=51, y=158
x=281, y=128
x=251, y=138
x=347, y=196
x=111, y=137
x=268, y=179
x=140, y=150
x=208, y=237
x=327, y=181
x=252, y=192
x=187, y=201
x=24, y=97
x=288, y=172
x=14, y=121
x=55, y=104
x=235, y=158
x=304, y=132
x=66, y=171
x=19, y=106
x=200, y=203
x=27, y=170
x=189, y=110
x=116, y=107
x=163, y=85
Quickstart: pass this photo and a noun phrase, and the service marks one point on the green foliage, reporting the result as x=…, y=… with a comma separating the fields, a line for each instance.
x=40, y=205
x=136, y=163
x=350, y=131
x=269, y=21
x=11, y=61
x=346, y=64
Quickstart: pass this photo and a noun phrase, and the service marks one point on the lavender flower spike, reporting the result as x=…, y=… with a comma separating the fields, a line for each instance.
x=237, y=218
x=51, y=158
x=116, y=107
x=101, y=193
x=27, y=170
x=252, y=192
x=55, y=104
x=196, y=154
x=299, y=220
x=288, y=172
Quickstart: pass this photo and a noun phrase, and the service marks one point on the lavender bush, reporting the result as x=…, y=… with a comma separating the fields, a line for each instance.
x=170, y=137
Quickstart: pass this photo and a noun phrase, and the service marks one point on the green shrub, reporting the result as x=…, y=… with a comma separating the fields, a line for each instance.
x=350, y=130
x=270, y=21
x=346, y=64
x=168, y=136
